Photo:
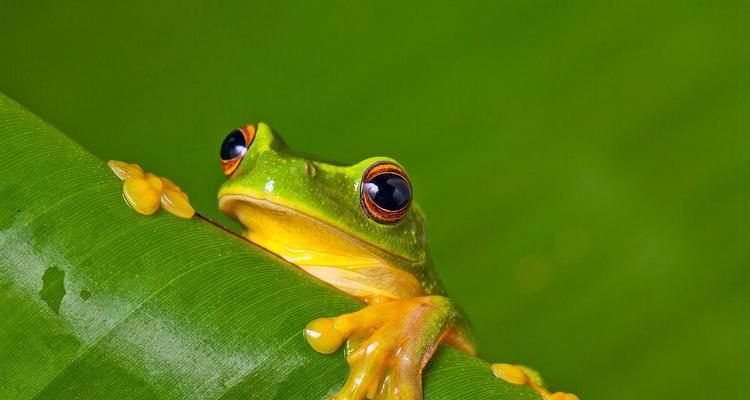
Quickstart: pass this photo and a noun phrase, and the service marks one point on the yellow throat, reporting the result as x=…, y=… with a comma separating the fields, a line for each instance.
x=349, y=264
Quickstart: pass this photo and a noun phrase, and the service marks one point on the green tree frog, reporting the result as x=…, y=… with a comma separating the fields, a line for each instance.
x=355, y=227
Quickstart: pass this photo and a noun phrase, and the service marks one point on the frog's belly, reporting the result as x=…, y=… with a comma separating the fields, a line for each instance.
x=370, y=284
x=324, y=252
x=365, y=278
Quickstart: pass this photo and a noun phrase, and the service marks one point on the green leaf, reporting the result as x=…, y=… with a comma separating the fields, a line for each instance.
x=99, y=302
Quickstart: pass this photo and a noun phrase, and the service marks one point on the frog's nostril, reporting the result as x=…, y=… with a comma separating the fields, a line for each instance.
x=310, y=169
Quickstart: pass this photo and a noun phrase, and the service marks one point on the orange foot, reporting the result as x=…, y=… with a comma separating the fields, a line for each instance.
x=145, y=192
x=388, y=345
x=522, y=375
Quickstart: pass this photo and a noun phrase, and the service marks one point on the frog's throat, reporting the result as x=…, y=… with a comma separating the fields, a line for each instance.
x=338, y=258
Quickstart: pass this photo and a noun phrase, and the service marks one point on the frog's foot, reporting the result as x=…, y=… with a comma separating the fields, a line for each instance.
x=388, y=345
x=145, y=192
x=523, y=375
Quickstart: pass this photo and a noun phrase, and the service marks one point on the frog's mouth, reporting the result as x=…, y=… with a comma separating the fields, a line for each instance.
x=344, y=261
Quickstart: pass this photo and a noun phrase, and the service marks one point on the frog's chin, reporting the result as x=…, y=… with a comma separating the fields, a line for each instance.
x=346, y=262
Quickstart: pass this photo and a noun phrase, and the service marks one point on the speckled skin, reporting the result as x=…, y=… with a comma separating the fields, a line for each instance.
x=312, y=214
x=404, y=331
x=331, y=193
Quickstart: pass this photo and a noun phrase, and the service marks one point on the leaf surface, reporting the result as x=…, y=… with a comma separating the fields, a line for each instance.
x=99, y=302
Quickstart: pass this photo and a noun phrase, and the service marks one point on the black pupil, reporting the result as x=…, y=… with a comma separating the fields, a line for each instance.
x=234, y=146
x=389, y=191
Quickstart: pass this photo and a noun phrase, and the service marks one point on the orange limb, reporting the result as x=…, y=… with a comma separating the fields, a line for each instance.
x=388, y=345
x=146, y=192
x=521, y=375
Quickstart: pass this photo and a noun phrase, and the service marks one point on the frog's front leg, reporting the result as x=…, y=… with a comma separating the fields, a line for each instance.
x=389, y=344
x=146, y=192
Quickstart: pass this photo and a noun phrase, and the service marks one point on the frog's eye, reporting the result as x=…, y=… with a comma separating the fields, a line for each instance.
x=234, y=148
x=385, y=193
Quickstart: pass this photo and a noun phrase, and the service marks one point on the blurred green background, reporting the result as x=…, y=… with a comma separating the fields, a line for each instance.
x=583, y=165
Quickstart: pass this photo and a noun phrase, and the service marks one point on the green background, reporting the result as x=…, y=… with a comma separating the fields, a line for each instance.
x=583, y=165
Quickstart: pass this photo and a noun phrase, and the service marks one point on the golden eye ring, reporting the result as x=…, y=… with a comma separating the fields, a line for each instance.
x=385, y=192
x=235, y=146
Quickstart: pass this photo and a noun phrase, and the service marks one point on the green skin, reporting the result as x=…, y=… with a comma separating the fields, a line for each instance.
x=330, y=194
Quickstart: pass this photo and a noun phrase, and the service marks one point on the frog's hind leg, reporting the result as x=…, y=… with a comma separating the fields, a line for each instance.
x=523, y=375
x=389, y=345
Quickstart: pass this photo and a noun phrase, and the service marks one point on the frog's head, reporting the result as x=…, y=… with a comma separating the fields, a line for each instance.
x=312, y=212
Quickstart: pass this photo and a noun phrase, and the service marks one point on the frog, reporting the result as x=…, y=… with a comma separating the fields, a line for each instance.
x=357, y=228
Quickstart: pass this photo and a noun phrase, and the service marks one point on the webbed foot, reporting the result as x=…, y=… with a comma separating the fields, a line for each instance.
x=523, y=375
x=146, y=192
x=388, y=345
